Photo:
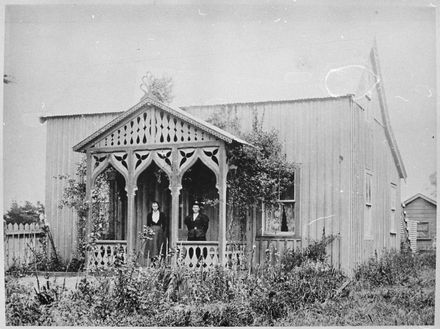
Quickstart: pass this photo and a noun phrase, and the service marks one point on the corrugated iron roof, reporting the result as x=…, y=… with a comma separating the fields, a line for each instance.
x=55, y=116
x=298, y=100
x=58, y=116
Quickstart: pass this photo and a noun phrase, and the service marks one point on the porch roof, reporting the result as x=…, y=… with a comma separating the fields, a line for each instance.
x=175, y=111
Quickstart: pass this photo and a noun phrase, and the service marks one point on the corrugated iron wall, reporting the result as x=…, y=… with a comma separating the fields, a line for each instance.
x=315, y=133
x=334, y=144
x=331, y=139
x=374, y=153
x=63, y=133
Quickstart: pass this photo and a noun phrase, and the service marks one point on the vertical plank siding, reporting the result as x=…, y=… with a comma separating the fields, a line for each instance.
x=316, y=134
x=63, y=133
x=334, y=140
x=331, y=139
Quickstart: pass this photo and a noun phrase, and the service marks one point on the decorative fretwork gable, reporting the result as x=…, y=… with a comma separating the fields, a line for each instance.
x=152, y=122
x=154, y=126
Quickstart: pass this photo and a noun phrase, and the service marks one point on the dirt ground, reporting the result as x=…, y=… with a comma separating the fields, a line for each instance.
x=68, y=280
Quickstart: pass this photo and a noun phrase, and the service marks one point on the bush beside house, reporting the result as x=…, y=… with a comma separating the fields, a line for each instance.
x=395, y=289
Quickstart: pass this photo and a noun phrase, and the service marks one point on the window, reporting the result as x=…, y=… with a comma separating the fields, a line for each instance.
x=368, y=216
x=368, y=188
x=393, y=200
x=281, y=218
x=423, y=230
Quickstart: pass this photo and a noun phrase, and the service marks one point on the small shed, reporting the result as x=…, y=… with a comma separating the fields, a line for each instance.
x=423, y=210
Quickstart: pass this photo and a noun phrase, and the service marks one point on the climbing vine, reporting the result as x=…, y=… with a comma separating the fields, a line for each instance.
x=74, y=197
x=257, y=173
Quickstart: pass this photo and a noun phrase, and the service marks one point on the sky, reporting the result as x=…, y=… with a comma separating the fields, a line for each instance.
x=66, y=59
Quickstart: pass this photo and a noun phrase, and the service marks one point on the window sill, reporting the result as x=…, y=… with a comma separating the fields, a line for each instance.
x=277, y=236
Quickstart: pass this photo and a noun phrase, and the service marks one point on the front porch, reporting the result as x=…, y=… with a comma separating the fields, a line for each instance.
x=154, y=152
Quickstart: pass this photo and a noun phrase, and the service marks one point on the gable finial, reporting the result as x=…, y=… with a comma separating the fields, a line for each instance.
x=147, y=85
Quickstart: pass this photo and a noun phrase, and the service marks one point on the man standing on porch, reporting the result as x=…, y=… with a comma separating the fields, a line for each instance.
x=197, y=224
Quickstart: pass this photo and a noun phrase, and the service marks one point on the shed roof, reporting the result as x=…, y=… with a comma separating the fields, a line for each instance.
x=175, y=111
x=421, y=196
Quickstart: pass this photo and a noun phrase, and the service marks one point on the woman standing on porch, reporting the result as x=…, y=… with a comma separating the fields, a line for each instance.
x=157, y=221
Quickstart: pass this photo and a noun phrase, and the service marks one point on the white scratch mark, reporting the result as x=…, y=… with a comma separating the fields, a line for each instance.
x=277, y=20
x=404, y=99
x=345, y=67
x=326, y=217
x=201, y=13
x=423, y=90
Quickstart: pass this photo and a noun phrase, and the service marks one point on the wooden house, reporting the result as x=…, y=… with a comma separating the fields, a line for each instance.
x=423, y=211
x=347, y=182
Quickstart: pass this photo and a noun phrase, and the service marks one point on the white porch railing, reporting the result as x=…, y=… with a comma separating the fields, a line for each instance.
x=206, y=253
x=235, y=255
x=189, y=253
x=106, y=252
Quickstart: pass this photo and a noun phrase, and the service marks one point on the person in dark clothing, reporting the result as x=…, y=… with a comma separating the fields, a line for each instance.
x=197, y=224
x=157, y=221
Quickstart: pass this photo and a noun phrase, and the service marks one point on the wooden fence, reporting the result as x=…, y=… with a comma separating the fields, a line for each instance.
x=20, y=244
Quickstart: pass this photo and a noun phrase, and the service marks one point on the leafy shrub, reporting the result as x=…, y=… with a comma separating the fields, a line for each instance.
x=21, y=307
x=316, y=251
x=284, y=294
x=25, y=306
x=393, y=267
x=427, y=259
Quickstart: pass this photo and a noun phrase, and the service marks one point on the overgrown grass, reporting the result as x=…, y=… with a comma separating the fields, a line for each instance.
x=394, y=289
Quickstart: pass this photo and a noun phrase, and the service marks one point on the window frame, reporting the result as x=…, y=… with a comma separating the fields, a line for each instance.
x=393, y=208
x=419, y=224
x=368, y=210
x=296, y=232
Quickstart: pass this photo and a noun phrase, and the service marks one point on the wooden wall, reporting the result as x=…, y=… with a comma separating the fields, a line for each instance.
x=372, y=153
x=334, y=140
x=63, y=132
x=315, y=134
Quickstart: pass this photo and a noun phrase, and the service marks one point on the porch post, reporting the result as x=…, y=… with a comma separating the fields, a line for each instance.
x=175, y=192
x=223, y=172
x=89, y=203
x=131, y=212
